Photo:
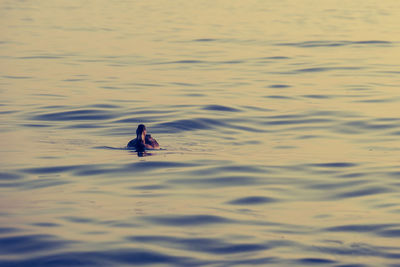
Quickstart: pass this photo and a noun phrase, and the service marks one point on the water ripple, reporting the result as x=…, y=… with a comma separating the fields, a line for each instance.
x=220, y=108
x=312, y=44
x=187, y=220
x=190, y=125
x=29, y=243
x=298, y=121
x=17, y=77
x=8, y=230
x=6, y=176
x=392, y=233
x=323, y=69
x=334, y=165
x=279, y=86
x=54, y=169
x=357, y=249
x=361, y=228
x=154, y=165
x=226, y=181
x=81, y=114
x=314, y=261
x=103, y=258
x=373, y=190
x=46, y=224
x=205, y=40
x=253, y=200
x=207, y=245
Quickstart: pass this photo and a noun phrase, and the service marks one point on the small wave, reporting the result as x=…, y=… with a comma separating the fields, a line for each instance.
x=205, y=124
x=335, y=185
x=298, y=121
x=392, y=233
x=76, y=219
x=46, y=224
x=131, y=257
x=245, y=169
x=334, y=165
x=74, y=80
x=190, y=125
x=361, y=228
x=355, y=249
x=8, y=230
x=21, y=244
x=31, y=125
x=152, y=165
x=53, y=169
x=311, y=44
x=110, y=148
x=104, y=106
x=221, y=108
x=279, y=97
x=99, y=169
x=7, y=176
x=200, y=62
x=17, y=77
x=227, y=181
x=314, y=261
x=187, y=220
x=318, y=96
x=279, y=86
x=381, y=100
x=323, y=69
x=276, y=57
x=205, y=40
x=187, y=61
x=363, y=192
x=150, y=187
x=88, y=114
x=42, y=183
x=205, y=245
x=372, y=42
x=42, y=57
x=353, y=175
x=355, y=126
x=253, y=200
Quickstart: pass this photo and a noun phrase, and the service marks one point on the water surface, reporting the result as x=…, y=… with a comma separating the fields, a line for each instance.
x=279, y=123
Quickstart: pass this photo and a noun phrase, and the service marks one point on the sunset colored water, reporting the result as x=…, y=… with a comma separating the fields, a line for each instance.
x=279, y=123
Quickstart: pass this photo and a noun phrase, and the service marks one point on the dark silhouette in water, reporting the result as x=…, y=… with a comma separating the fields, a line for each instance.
x=143, y=140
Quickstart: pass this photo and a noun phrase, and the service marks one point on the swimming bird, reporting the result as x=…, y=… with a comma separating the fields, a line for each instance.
x=143, y=140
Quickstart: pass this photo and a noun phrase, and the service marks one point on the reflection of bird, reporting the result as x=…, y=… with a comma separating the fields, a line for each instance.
x=143, y=140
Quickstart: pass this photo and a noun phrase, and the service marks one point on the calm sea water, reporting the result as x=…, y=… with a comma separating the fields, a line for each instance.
x=279, y=123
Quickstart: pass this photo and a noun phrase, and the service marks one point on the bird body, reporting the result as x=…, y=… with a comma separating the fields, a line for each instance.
x=143, y=140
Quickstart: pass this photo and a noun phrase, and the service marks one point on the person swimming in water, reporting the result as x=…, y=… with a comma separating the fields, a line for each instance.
x=143, y=140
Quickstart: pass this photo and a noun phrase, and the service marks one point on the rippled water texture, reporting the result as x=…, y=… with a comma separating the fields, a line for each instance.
x=279, y=123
